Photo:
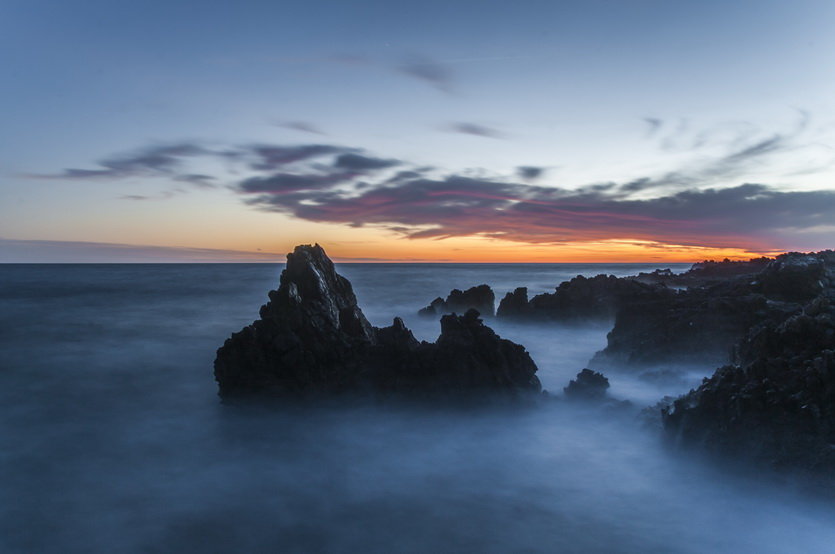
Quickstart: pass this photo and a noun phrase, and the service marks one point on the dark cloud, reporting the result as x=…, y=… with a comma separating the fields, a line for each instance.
x=197, y=179
x=428, y=71
x=473, y=129
x=459, y=206
x=292, y=182
x=150, y=161
x=529, y=172
x=362, y=163
x=302, y=126
x=273, y=157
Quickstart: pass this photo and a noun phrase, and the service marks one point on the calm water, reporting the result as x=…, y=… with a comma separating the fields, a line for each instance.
x=113, y=439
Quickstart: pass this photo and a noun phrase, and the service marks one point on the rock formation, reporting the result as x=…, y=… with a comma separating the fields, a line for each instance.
x=589, y=385
x=703, y=323
x=581, y=299
x=312, y=338
x=775, y=403
x=480, y=299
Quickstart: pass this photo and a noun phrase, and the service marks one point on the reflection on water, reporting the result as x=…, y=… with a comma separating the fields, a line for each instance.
x=113, y=438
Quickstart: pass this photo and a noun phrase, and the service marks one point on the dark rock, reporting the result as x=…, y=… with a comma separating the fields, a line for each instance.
x=703, y=323
x=589, y=385
x=515, y=305
x=705, y=273
x=480, y=299
x=775, y=403
x=312, y=338
x=580, y=299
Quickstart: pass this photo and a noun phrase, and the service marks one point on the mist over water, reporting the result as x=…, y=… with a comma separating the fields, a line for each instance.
x=114, y=440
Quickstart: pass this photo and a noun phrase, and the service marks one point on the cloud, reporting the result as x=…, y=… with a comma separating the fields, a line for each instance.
x=272, y=157
x=156, y=160
x=302, y=126
x=292, y=182
x=693, y=204
x=361, y=163
x=431, y=72
x=474, y=129
x=55, y=251
x=529, y=172
x=745, y=215
x=197, y=179
x=653, y=124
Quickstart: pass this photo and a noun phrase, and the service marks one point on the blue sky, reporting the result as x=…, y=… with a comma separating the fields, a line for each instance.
x=718, y=94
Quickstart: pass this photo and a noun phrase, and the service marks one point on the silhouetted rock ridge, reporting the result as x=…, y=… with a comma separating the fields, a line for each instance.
x=312, y=338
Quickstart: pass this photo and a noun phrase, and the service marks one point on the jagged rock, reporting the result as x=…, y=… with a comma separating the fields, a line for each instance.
x=312, y=338
x=581, y=299
x=775, y=403
x=703, y=323
x=480, y=299
x=589, y=385
x=515, y=305
x=705, y=273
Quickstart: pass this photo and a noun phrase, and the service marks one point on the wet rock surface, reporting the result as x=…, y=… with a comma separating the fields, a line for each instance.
x=480, y=298
x=312, y=339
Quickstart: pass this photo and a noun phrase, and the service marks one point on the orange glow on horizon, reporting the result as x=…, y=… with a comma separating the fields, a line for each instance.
x=481, y=250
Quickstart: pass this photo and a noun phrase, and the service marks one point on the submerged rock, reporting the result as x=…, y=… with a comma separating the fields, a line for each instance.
x=312, y=338
x=480, y=298
x=589, y=385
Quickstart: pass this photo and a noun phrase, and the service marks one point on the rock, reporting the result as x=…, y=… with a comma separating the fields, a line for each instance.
x=690, y=326
x=774, y=404
x=589, y=385
x=705, y=273
x=312, y=338
x=580, y=299
x=515, y=305
x=480, y=298
x=703, y=323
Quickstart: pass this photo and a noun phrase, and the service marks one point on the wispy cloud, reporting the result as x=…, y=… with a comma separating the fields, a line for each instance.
x=303, y=126
x=155, y=160
x=699, y=203
x=431, y=72
x=473, y=129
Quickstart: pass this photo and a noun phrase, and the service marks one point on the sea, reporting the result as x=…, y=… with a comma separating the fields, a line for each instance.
x=113, y=438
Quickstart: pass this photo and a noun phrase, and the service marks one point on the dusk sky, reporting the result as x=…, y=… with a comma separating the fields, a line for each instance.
x=432, y=131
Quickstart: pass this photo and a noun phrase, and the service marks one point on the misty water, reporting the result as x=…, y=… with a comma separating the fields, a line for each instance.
x=114, y=440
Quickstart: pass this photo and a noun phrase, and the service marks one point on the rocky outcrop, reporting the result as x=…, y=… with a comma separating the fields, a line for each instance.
x=480, y=299
x=589, y=385
x=581, y=299
x=313, y=339
x=775, y=403
x=705, y=273
x=515, y=306
x=703, y=323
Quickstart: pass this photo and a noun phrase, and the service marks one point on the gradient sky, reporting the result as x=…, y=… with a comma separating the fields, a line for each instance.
x=472, y=131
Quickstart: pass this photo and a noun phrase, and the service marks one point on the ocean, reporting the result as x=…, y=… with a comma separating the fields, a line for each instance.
x=114, y=439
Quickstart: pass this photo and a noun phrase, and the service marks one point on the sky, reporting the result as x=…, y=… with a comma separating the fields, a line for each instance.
x=469, y=131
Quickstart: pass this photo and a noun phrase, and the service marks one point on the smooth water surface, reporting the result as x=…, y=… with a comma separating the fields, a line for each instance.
x=113, y=438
